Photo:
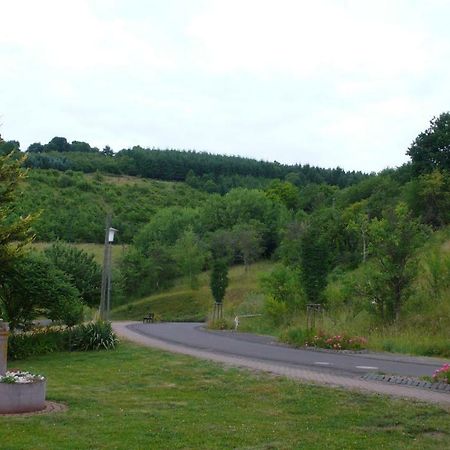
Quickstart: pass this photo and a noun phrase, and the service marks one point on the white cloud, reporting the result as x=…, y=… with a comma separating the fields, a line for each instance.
x=306, y=38
x=68, y=35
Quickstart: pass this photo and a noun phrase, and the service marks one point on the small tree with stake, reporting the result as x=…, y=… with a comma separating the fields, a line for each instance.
x=218, y=284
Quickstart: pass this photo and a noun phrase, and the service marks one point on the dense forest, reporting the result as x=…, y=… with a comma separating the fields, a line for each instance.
x=344, y=239
x=213, y=173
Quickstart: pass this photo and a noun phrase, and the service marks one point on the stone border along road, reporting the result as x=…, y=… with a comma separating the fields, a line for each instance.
x=123, y=330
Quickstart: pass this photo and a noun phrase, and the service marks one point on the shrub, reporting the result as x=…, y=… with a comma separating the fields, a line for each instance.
x=276, y=311
x=221, y=324
x=93, y=336
x=37, y=342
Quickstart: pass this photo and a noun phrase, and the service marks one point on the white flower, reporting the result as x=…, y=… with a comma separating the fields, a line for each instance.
x=20, y=377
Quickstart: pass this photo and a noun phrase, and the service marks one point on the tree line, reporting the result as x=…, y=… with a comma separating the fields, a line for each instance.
x=212, y=173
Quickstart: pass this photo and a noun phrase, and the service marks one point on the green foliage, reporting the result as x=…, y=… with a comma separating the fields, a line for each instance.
x=166, y=227
x=73, y=206
x=318, y=252
x=219, y=279
x=431, y=149
x=83, y=270
x=34, y=287
x=285, y=193
x=85, y=337
x=37, y=342
x=212, y=173
x=435, y=269
x=276, y=310
x=316, y=196
x=284, y=296
x=393, y=243
x=137, y=271
x=428, y=197
x=93, y=336
x=223, y=323
x=15, y=231
x=356, y=218
x=190, y=255
x=283, y=285
x=248, y=243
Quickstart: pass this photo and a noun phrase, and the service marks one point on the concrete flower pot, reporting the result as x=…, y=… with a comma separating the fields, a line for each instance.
x=22, y=397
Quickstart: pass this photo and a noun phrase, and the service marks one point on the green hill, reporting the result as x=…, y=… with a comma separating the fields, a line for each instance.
x=73, y=205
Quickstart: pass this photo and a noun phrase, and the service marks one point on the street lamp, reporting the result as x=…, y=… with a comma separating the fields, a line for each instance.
x=111, y=233
x=105, y=299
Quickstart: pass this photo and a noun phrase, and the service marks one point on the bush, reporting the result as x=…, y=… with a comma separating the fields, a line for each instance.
x=221, y=324
x=37, y=342
x=276, y=311
x=92, y=336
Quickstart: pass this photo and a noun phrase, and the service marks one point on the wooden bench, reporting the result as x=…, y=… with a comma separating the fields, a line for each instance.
x=150, y=317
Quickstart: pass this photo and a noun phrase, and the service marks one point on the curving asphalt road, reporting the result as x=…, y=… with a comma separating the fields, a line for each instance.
x=193, y=335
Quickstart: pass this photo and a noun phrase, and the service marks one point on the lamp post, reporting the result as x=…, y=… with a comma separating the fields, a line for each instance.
x=105, y=299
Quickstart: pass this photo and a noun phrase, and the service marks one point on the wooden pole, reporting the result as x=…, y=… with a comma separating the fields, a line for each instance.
x=109, y=275
x=105, y=271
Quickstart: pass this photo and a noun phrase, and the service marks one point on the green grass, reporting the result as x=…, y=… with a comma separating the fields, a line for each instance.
x=181, y=303
x=138, y=398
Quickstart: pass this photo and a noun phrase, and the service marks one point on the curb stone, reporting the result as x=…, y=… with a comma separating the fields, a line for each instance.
x=413, y=382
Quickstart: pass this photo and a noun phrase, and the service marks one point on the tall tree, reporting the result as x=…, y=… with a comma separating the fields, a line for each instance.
x=219, y=279
x=35, y=287
x=83, y=270
x=429, y=197
x=431, y=149
x=15, y=232
x=190, y=256
x=248, y=243
x=393, y=242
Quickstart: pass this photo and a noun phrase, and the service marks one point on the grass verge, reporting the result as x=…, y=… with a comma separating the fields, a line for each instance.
x=135, y=397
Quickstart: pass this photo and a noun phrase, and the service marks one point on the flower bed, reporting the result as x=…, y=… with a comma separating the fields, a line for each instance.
x=443, y=374
x=337, y=342
x=21, y=392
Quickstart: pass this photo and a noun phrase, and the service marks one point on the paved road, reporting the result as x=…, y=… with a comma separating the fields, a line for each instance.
x=264, y=348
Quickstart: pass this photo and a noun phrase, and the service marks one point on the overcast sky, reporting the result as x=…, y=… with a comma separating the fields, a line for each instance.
x=329, y=83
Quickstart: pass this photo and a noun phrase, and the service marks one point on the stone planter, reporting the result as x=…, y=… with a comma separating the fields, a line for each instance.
x=22, y=397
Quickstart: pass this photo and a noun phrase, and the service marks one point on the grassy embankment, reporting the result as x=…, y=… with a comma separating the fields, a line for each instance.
x=136, y=397
x=181, y=303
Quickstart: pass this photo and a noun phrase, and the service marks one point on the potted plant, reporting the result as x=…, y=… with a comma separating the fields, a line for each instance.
x=19, y=391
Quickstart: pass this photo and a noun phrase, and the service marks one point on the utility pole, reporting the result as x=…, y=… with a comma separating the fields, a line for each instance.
x=105, y=298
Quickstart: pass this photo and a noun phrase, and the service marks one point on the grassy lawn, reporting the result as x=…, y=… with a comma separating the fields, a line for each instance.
x=138, y=398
